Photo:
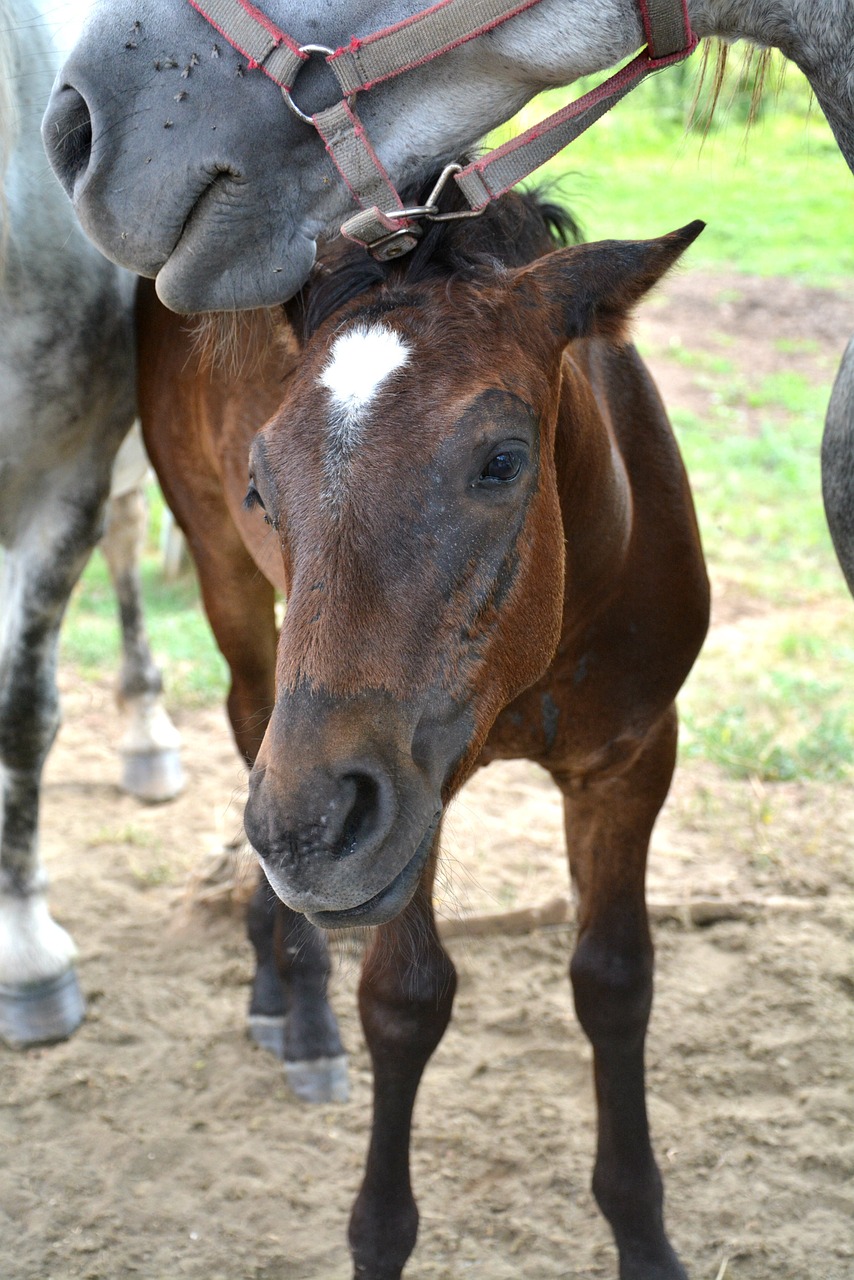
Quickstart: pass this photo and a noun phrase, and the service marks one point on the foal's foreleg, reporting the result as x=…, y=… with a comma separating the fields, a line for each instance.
x=608, y=829
x=405, y=1000
x=151, y=747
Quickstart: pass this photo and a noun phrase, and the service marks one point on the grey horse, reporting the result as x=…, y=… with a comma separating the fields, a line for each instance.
x=67, y=402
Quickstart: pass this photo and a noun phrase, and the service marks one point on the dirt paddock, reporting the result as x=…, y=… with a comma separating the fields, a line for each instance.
x=159, y=1143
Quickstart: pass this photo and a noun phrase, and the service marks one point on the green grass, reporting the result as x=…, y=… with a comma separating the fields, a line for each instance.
x=737, y=741
x=781, y=717
x=775, y=700
x=778, y=199
x=759, y=503
x=181, y=640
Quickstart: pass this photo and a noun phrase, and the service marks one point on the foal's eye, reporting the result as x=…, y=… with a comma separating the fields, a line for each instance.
x=502, y=467
x=253, y=499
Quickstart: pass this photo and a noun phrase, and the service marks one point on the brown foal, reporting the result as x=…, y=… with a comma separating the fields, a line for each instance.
x=477, y=510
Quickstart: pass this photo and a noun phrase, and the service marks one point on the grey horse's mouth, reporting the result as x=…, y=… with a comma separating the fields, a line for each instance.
x=198, y=209
x=215, y=262
x=390, y=901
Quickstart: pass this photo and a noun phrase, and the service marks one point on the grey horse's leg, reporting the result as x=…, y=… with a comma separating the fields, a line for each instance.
x=40, y=999
x=837, y=465
x=151, y=747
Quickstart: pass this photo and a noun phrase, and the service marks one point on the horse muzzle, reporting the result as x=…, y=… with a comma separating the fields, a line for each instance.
x=345, y=803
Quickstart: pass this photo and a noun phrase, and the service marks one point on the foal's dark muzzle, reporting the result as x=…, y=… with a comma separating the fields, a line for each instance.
x=343, y=808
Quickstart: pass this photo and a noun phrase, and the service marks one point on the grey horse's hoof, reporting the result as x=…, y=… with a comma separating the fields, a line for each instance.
x=153, y=776
x=268, y=1032
x=319, y=1079
x=42, y=1012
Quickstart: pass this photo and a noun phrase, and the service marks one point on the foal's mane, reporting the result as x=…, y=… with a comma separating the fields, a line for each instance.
x=511, y=232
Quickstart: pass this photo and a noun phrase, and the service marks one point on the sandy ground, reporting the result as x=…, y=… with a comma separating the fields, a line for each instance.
x=159, y=1143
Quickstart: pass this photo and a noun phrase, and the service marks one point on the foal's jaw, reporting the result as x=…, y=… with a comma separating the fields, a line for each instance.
x=378, y=909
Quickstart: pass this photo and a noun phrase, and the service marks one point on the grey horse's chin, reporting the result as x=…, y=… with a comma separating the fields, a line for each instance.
x=191, y=282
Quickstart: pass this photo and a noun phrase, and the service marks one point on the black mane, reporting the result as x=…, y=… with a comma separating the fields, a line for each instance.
x=511, y=232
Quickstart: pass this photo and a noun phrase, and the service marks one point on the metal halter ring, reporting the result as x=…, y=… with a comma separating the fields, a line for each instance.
x=309, y=49
x=430, y=210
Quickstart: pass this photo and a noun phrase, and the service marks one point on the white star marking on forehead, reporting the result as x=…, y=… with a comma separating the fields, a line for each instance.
x=359, y=363
x=362, y=359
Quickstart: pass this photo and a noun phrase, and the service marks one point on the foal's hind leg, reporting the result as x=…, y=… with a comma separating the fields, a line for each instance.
x=608, y=829
x=289, y=1012
x=151, y=747
x=405, y=1000
x=40, y=998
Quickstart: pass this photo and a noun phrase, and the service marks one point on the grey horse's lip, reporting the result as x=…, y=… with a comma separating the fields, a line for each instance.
x=196, y=212
x=147, y=260
x=198, y=274
x=390, y=901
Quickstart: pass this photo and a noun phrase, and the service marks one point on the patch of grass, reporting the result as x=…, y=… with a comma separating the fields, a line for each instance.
x=822, y=748
x=153, y=877
x=778, y=704
x=786, y=390
x=195, y=673
x=811, y=648
x=758, y=498
x=773, y=197
x=706, y=361
x=128, y=835
x=797, y=346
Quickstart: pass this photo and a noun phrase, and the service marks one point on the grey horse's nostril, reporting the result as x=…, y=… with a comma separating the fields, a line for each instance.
x=68, y=137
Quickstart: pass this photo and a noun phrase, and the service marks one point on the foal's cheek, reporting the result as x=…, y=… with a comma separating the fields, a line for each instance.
x=537, y=613
x=526, y=639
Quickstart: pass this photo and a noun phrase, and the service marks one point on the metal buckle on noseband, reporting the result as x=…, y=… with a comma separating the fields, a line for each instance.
x=287, y=93
x=430, y=210
x=403, y=240
x=394, y=245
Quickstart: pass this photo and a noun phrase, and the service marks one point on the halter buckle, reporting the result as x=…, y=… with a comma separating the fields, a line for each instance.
x=395, y=245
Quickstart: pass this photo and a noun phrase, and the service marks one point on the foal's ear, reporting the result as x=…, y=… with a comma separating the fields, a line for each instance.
x=592, y=288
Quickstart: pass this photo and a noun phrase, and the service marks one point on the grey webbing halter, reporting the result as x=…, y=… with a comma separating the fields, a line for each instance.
x=384, y=225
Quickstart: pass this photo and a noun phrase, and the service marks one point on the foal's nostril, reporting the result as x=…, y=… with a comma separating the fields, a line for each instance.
x=363, y=816
x=68, y=137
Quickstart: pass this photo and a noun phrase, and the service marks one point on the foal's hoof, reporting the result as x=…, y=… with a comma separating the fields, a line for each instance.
x=665, y=1267
x=311, y=1079
x=41, y=1012
x=268, y=1032
x=319, y=1079
x=153, y=776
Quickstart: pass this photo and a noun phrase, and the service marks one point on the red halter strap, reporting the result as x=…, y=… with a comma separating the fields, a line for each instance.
x=384, y=226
